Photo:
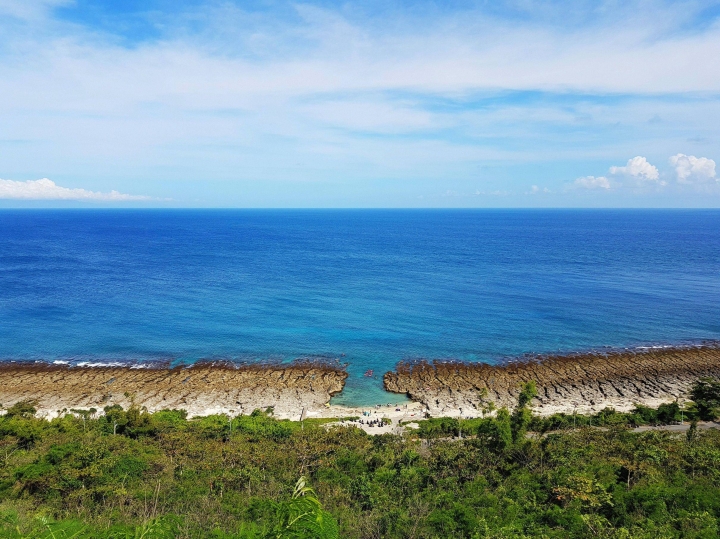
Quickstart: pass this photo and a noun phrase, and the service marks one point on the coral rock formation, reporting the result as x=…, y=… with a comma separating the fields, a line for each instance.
x=584, y=383
x=201, y=389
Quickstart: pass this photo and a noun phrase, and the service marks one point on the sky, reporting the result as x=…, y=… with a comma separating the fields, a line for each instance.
x=392, y=103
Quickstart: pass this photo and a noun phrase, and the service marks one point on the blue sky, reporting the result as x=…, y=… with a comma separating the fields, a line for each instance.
x=359, y=104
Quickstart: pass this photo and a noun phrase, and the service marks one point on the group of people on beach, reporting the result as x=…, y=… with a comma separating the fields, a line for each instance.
x=372, y=422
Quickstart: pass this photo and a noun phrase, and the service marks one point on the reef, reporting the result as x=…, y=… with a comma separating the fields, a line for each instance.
x=201, y=389
x=583, y=383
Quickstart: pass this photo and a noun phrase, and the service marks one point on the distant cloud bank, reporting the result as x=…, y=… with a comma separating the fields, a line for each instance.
x=45, y=189
x=640, y=172
x=593, y=182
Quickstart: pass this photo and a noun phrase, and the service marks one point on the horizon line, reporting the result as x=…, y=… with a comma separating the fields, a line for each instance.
x=356, y=208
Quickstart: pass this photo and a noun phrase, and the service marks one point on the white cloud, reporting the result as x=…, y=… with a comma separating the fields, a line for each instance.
x=254, y=98
x=638, y=168
x=45, y=189
x=691, y=169
x=62, y=66
x=534, y=190
x=593, y=182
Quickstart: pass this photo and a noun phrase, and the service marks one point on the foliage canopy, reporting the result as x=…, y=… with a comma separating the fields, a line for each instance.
x=129, y=473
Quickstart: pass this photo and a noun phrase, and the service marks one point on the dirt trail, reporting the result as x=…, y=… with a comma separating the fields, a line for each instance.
x=584, y=383
x=201, y=389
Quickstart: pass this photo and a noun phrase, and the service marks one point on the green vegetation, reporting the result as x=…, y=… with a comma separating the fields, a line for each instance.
x=706, y=395
x=131, y=474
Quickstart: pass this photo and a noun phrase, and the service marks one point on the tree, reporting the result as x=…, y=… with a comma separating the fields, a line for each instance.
x=527, y=394
x=522, y=416
x=502, y=427
x=706, y=395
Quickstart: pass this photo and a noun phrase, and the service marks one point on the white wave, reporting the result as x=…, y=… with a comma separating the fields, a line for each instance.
x=100, y=364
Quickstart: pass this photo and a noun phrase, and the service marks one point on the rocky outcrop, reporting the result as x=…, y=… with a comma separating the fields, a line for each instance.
x=584, y=383
x=201, y=389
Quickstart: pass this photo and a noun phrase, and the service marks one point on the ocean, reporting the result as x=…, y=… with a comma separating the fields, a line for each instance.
x=366, y=287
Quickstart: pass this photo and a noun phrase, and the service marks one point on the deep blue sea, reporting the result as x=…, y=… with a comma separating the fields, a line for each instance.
x=370, y=287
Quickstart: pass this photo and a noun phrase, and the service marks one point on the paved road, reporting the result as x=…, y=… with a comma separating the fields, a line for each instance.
x=680, y=428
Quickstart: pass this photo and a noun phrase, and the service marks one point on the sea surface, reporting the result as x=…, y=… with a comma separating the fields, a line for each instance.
x=366, y=287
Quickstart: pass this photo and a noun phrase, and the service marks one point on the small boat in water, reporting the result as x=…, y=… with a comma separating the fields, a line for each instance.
x=369, y=372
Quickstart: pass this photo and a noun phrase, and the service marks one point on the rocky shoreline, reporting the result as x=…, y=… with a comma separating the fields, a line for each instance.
x=583, y=383
x=201, y=389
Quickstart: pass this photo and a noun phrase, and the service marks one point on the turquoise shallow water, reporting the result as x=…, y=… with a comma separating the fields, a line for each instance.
x=369, y=287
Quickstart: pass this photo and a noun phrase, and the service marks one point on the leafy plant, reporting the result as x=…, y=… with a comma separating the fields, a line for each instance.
x=303, y=516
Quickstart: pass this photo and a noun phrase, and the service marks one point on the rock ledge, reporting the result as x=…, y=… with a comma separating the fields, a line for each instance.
x=201, y=389
x=584, y=383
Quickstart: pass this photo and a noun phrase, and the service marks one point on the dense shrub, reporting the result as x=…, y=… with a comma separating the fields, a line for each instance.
x=129, y=473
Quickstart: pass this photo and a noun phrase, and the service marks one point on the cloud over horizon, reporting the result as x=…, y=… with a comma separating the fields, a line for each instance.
x=691, y=169
x=45, y=189
x=638, y=168
x=593, y=182
x=691, y=174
